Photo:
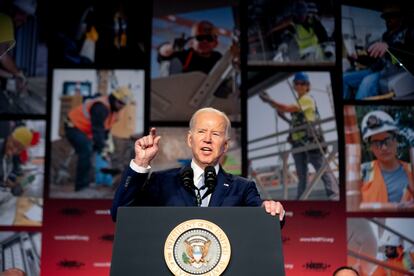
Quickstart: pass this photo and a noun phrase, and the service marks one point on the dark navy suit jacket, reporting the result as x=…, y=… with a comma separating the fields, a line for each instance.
x=165, y=188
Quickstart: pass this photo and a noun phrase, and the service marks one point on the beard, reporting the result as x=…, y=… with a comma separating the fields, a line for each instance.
x=391, y=253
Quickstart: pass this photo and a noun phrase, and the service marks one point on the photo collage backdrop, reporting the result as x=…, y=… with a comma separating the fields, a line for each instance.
x=319, y=94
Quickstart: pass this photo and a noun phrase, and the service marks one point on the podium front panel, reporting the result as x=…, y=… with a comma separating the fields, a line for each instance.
x=141, y=233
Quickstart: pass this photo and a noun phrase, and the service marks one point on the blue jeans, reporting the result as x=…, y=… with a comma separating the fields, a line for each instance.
x=83, y=148
x=314, y=157
x=364, y=82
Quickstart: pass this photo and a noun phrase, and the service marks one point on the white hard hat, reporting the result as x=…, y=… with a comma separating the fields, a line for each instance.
x=389, y=239
x=28, y=6
x=376, y=122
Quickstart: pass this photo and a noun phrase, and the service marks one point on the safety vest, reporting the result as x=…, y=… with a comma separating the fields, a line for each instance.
x=80, y=116
x=374, y=188
x=308, y=113
x=306, y=38
x=405, y=261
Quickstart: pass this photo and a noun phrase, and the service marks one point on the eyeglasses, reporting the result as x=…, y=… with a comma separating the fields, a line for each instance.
x=300, y=83
x=380, y=143
x=208, y=38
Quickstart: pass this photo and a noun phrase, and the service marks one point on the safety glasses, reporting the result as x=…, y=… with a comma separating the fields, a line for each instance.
x=380, y=143
x=300, y=83
x=208, y=38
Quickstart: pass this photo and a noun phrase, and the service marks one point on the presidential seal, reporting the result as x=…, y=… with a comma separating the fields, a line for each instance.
x=197, y=247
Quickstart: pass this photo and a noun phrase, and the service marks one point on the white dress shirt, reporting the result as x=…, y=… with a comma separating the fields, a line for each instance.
x=198, y=177
x=199, y=181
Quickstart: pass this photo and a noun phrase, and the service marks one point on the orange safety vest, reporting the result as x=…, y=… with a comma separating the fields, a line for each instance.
x=80, y=116
x=404, y=261
x=373, y=187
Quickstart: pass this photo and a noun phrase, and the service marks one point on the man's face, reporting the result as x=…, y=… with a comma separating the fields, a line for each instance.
x=392, y=22
x=301, y=87
x=207, y=139
x=118, y=105
x=391, y=252
x=204, y=44
x=384, y=146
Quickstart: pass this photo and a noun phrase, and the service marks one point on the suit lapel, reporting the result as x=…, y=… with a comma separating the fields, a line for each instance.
x=224, y=182
x=187, y=197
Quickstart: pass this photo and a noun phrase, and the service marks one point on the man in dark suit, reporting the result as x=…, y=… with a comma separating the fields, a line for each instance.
x=208, y=139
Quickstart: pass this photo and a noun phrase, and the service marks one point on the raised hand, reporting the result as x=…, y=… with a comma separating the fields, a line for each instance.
x=378, y=49
x=146, y=148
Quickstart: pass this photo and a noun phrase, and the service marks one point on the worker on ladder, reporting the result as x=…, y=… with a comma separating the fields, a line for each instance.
x=303, y=113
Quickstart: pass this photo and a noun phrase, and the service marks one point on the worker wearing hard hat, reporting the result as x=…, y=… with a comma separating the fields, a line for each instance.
x=309, y=31
x=87, y=128
x=302, y=113
x=17, y=15
x=393, y=248
x=385, y=179
x=200, y=56
x=13, y=141
x=391, y=55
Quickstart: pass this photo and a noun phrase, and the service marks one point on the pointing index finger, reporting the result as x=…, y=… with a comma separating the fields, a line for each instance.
x=153, y=132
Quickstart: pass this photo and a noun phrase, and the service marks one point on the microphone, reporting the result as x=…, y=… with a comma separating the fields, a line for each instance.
x=210, y=180
x=187, y=176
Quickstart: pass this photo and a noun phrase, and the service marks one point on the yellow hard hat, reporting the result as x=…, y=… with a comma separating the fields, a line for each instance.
x=6, y=34
x=23, y=135
x=123, y=94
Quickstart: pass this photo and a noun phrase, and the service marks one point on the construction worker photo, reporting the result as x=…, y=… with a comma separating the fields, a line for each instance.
x=12, y=143
x=291, y=32
x=385, y=243
x=302, y=114
x=198, y=55
x=21, y=168
x=87, y=129
x=395, y=255
x=376, y=63
x=309, y=32
x=17, y=16
x=386, y=178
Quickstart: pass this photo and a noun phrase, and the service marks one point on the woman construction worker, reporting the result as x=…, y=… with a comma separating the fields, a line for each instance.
x=386, y=178
x=303, y=113
x=87, y=128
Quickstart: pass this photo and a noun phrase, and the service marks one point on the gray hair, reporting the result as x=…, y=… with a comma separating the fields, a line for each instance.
x=212, y=110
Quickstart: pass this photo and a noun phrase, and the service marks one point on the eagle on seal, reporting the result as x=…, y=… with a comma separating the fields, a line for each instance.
x=197, y=253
